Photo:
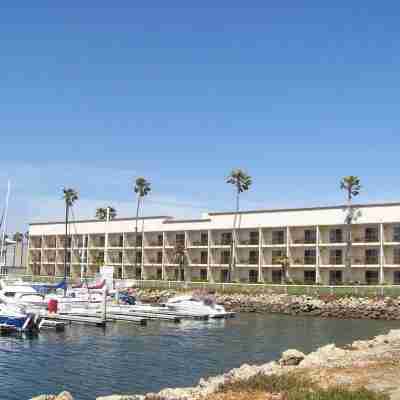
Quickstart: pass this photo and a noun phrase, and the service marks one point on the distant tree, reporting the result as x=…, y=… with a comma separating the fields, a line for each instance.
x=284, y=262
x=101, y=213
x=242, y=182
x=142, y=188
x=70, y=196
x=18, y=239
x=351, y=185
x=180, y=253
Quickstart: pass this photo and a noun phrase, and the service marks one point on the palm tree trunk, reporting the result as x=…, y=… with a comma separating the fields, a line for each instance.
x=66, y=246
x=348, y=241
x=14, y=255
x=136, y=231
x=22, y=251
x=233, y=246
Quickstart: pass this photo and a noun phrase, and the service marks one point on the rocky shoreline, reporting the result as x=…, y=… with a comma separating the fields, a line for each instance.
x=386, y=308
x=373, y=364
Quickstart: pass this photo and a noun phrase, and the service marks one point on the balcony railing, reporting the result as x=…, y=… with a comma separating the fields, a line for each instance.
x=277, y=241
x=250, y=261
x=200, y=243
x=251, y=242
x=224, y=242
x=305, y=241
x=366, y=261
x=155, y=243
x=366, y=239
x=335, y=260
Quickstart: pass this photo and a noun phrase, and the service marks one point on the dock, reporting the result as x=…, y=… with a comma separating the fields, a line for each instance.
x=77, y=319
x=58, y=326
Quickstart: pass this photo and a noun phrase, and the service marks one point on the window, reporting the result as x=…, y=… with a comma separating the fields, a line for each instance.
x=253, y=257
x=371, y=277
x=203, y=274
x=277, y=276
x=253, y=276
x=138, y=273
x=336, y=257
x=336, y=236
x=309, y=257
x=159, y=274
x=159, y=257
x=139, y=257
x=371, y=235
x=224, y=275
x=160, y=240
x=120, y=241
x=276, y=255
x=226, y=238
x=225, y=257
x=396, y=277
x=335, y=277
x=278, y=237
x=102, y=241
x=253, y=236
x=309, y=277
x=204, y=239
x=309, y=236
x=139, y=240
x=371, y=256
x=204, y=257
x=180, y=239
x=396, y=233
x=118, y=273
x=396, y=255
x=68, y=269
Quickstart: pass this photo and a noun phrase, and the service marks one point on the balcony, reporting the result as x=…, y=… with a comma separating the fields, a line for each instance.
x=366, y=261
x=336, y=260
x=277, y=242
x=155, y=243
x=224, y=242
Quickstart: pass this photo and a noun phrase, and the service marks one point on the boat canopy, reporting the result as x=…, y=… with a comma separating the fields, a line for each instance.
x=43, y=289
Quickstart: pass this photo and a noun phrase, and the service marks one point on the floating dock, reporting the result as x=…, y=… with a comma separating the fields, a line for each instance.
x=77, y=319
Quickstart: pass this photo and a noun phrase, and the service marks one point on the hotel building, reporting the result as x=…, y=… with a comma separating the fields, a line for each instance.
x=312, y=238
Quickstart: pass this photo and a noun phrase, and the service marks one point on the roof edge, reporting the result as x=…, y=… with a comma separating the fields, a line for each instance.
x=97, y=220
x=274, y=210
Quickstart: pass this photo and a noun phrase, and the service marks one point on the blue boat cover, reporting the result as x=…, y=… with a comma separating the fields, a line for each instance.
x=43, y=289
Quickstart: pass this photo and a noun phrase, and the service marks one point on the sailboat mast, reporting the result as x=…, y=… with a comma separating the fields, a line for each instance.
x=3, y=234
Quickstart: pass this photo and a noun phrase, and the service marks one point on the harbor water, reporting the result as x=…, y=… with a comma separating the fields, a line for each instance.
x=123, y=358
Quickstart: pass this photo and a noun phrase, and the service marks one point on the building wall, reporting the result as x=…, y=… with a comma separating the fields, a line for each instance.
x=305, y=233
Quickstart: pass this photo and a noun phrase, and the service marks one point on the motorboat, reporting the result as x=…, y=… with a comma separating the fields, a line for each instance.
x=19, y=294
x=197, y=305
x=14, y=318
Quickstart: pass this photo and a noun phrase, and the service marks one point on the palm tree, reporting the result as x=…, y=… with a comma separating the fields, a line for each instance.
x=242, y=182
x=69, y=196
x=351, y=185
x=179, y=252
x=101, y=213
x=18, y=239
x=142, y=188
x=284, y=261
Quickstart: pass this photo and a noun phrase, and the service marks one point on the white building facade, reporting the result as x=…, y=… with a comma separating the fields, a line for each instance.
x=312, y=238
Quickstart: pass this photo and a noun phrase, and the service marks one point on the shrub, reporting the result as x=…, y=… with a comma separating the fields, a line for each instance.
x=295, y=387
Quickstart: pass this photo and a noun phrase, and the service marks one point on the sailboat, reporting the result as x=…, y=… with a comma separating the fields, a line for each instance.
x=13, y=317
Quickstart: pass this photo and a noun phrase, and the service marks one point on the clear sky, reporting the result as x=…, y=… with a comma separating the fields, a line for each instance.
x=298, y=93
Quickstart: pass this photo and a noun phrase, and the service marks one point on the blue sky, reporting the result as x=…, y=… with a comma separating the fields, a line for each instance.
x=298, y=93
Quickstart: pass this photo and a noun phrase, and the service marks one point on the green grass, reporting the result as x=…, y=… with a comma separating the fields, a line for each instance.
x=295, y=387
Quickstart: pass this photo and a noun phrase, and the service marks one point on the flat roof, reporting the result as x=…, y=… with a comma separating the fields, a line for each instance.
x=274, y=210
x=171, y=220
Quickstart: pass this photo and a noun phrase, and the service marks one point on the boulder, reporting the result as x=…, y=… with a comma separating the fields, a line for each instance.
x=291, y=357
x=64, y=396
